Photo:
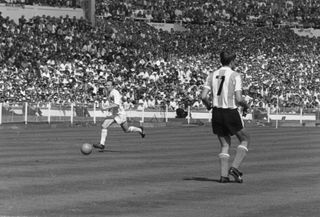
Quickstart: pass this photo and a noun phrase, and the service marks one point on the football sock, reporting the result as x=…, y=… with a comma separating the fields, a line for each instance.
x=134, y=129
x=224, y=164
x=104, y=133
x=225, y=149
x=240, y=154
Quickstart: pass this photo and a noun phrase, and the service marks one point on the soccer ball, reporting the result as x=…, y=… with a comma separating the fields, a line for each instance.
x=86, y=149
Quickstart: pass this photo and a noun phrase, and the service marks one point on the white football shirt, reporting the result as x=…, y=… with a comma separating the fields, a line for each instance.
x=116, y=98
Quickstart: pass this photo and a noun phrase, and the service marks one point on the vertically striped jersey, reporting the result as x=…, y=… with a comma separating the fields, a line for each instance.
x=223, y=83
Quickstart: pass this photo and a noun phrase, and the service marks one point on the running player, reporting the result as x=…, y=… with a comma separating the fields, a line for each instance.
x=116, y=114
x=225, y=88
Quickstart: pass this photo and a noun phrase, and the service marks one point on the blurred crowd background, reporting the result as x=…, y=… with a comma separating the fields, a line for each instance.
x=64, y=60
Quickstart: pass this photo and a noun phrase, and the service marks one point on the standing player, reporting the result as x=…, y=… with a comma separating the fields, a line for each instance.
x=116, y=114
x=225, y=88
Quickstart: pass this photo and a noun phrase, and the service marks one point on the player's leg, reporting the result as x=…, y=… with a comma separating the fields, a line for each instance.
x=128, y=129
x=219, y=128
x=225, y=142
x=242, y=148
x=241, y=152
x=104, y=133
x=122, y=121
x=236, y=127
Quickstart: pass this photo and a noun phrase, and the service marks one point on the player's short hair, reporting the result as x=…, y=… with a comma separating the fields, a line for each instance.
x=112, y=81
x=226, y=57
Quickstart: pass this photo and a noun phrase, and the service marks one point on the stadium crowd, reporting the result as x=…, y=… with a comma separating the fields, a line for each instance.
x=67, y=60
x=50, y=3
x=244, y=12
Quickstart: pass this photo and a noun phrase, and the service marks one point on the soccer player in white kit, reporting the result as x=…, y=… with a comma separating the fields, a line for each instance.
x=116, y=114
x=225, y=88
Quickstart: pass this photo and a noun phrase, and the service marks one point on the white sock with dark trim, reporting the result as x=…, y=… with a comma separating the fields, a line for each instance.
x=241, y=153
x=224, y=164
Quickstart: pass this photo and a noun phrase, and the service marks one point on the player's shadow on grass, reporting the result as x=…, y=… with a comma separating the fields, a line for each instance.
x=108, y=151
x=115, y=151
x=203, y=179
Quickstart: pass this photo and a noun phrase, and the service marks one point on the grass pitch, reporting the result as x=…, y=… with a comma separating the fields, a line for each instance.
x=173, y=172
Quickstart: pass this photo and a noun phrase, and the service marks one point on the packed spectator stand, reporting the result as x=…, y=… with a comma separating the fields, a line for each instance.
x=67, y=60
x=51, y=3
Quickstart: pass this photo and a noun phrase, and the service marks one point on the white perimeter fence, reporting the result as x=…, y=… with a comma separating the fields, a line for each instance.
x=51, y=113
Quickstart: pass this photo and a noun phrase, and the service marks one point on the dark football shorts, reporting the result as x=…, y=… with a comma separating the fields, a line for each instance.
x=226, y=122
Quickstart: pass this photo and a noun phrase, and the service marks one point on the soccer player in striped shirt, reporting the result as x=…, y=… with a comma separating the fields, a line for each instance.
x=115, y=114
x=224, y=87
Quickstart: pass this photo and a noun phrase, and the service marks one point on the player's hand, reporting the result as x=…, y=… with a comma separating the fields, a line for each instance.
x=244, y=107
x=245, y=110
x=209, y=107
x=244, y=113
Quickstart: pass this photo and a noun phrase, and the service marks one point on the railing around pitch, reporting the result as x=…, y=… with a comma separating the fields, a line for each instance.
x=287, y=116
x=26, y=112
x=91, y=113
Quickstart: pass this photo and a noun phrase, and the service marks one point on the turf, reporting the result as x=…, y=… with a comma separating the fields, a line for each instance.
x=173, y=172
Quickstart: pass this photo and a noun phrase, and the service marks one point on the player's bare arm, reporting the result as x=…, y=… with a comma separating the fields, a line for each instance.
x=205, y=98
x=241, y=102
x=109, y=106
